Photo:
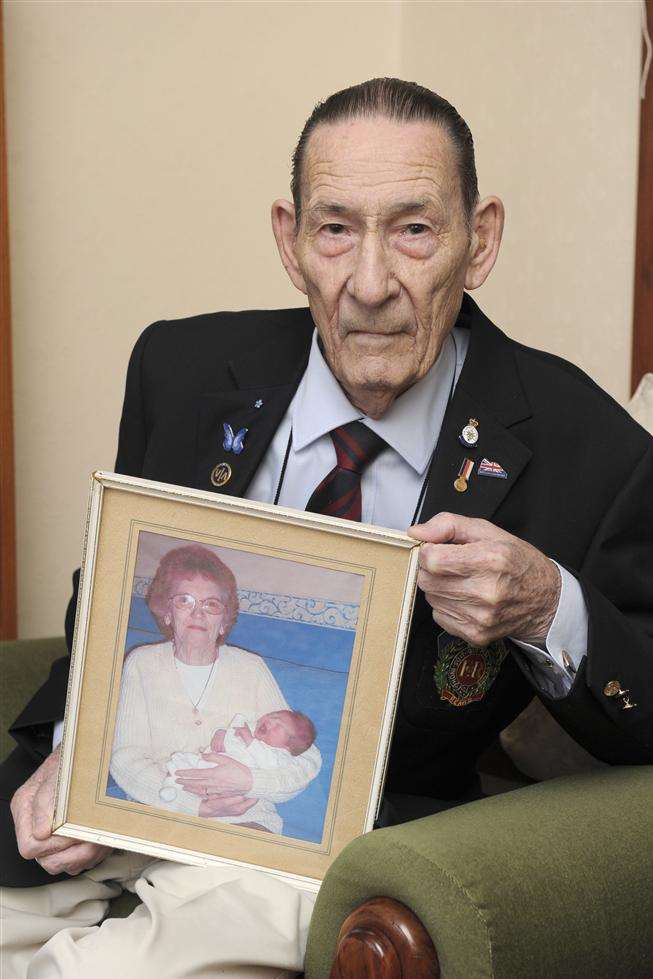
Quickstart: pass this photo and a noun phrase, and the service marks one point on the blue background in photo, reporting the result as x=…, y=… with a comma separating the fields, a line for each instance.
x=311, y=665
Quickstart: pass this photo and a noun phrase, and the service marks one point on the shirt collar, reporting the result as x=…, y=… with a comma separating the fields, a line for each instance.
x=411, y=424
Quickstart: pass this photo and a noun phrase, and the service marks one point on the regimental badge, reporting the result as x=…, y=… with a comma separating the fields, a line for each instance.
x=463, y=674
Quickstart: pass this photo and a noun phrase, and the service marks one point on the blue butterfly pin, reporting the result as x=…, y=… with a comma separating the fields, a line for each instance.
x=233, y=443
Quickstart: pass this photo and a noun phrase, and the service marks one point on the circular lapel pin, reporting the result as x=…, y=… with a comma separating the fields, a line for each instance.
x=469, y=434
x=221, y=474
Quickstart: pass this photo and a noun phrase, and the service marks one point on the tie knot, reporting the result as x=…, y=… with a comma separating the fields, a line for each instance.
x=356, y=446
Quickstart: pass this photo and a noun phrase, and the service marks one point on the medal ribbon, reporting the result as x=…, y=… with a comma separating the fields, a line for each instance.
x=466, y=469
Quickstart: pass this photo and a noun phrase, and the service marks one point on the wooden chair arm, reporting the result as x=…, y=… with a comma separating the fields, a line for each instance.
x=383, y=939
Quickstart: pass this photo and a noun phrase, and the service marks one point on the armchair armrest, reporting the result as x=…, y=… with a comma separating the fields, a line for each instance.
x=24, y=666
x=554, y=879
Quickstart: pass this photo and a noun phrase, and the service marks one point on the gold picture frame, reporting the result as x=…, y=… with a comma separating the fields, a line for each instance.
x=324, y=609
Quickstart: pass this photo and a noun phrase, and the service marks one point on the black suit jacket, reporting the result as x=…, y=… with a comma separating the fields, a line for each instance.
x=580, y=473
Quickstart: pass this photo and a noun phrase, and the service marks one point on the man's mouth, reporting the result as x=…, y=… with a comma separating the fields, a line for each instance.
x=374, y=337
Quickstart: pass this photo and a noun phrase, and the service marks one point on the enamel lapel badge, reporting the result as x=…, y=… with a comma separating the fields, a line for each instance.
x=233, y=442
x=221, y=474
x=487, y=468
x=469, y=435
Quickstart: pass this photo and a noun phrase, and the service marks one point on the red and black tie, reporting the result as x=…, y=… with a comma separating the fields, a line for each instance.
x=339, y=493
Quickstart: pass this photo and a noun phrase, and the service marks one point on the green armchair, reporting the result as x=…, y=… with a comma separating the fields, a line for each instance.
x=553, y=880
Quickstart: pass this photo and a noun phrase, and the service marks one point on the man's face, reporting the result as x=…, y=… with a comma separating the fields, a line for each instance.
x=383, y=250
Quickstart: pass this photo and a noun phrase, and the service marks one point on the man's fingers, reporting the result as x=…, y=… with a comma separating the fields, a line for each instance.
x=478, y=560
x=458, y=560
x=452, y=528
x=75, y=859
x=43, y=811
x=30, y=848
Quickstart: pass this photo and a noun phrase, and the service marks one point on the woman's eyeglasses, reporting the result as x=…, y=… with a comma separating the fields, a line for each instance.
x=187, y=603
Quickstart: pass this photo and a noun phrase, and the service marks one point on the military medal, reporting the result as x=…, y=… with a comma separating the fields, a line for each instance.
x=469, y=435
x=465, y=471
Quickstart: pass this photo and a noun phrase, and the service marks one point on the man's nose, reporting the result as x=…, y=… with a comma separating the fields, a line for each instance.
x=372, y=281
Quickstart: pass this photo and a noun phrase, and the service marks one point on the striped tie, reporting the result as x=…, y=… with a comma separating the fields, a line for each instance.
x=339, y=493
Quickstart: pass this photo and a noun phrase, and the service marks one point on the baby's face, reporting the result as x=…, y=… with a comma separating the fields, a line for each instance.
x=276, y=728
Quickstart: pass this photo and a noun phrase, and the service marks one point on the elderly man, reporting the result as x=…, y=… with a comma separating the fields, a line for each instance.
x=406, y=407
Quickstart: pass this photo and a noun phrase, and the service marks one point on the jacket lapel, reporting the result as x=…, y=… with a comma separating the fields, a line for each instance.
x=270, y=376
x=489, y=390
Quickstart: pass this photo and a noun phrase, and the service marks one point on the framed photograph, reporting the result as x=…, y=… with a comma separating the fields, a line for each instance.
x=234, y=676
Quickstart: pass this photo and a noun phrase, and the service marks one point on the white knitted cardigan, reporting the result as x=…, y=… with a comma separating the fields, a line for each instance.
x=156, y=717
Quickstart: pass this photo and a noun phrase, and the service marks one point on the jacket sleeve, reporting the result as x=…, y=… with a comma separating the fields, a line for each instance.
x=33, y=728
x=617, y=581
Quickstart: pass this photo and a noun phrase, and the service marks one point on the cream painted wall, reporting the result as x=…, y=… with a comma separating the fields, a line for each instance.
x=146, y=143
x=551, y=93
x=147, y=140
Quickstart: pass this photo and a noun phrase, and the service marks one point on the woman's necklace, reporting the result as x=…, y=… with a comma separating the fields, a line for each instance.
x=197, y=702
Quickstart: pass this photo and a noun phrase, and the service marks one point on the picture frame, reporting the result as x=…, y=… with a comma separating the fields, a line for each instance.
x=287, y=664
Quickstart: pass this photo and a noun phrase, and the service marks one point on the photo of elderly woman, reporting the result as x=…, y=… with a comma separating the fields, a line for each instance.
x=231, y=693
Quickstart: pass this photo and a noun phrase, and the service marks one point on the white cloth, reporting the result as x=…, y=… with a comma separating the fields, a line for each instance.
x=203, y=922
x=390, y=486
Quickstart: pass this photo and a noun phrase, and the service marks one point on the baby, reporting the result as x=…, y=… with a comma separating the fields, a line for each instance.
x=276, y=736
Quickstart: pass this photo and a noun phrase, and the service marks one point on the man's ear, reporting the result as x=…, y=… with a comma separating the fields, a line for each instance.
x=487, y=229
x=283, y=226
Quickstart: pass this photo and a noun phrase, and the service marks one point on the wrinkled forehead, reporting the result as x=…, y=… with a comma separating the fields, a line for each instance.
x=377, y=163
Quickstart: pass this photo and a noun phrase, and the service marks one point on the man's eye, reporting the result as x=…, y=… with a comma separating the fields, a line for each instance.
x=416, y=229
x=335, y=229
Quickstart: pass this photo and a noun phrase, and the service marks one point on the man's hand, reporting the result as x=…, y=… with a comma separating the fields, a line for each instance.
x=227, y=777
x=484, y=584
x=32, y=807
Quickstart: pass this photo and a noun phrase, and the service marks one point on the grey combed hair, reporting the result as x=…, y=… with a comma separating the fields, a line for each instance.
x=400, y=101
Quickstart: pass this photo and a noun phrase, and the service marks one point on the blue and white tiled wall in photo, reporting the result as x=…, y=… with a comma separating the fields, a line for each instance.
x=307, y=645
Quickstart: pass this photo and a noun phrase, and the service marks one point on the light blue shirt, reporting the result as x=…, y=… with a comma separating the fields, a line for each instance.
x=392, y=484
